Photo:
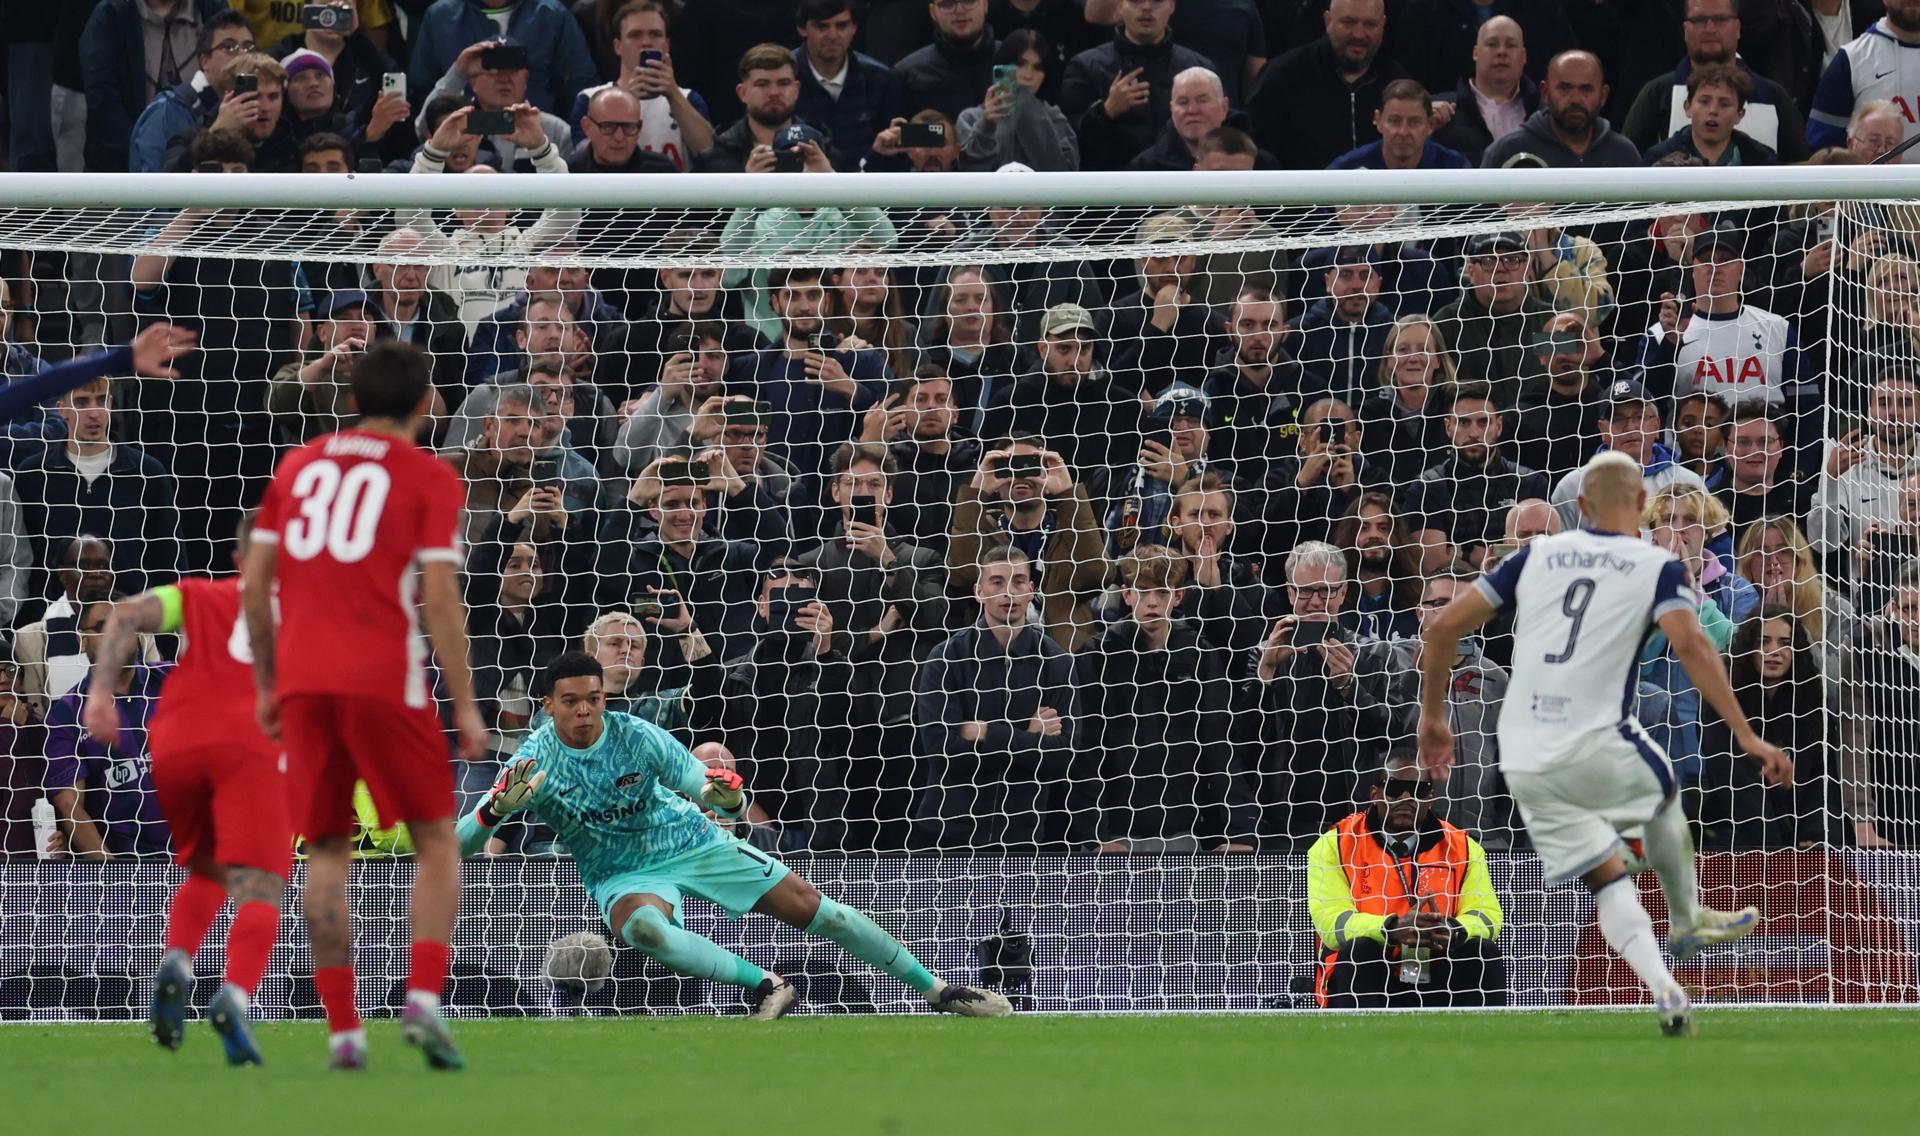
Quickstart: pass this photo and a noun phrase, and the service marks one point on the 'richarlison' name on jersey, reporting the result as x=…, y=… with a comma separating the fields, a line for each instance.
x=618, y=804
x=1588, y=560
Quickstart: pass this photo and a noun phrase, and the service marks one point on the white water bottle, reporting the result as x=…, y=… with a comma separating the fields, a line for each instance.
x=44, y=826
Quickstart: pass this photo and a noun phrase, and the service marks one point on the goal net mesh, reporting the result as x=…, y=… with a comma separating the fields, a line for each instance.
x=763, y=462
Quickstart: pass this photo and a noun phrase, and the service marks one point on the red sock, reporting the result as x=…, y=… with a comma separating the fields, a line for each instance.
x=335, y=984
x=195, y=902
x=427, y=968
x=250, y=943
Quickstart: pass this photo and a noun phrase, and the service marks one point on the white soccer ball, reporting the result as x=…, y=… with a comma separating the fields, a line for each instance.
x=582, y=959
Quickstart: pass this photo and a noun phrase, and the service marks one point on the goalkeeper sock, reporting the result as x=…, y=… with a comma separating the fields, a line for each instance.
x=864, y=940
x=685, y=952
x=1669, y=847
x=1629, y=931
x=195, y=902
x=250, y=944
x=427, y=973
x=335, y=986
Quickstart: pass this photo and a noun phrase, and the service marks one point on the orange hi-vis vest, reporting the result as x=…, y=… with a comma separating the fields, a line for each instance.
x=1383, y=884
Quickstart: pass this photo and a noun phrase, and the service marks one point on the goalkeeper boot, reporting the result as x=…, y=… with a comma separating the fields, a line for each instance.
x=228, y=1016
x=1714, y=928
x=427, y=1031
x=777, y=998
x=1676, y=1013
x=172, y=985
x=969, y=1001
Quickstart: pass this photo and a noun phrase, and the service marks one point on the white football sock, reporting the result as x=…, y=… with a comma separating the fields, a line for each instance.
x=1669, y=846
x=423, y=999
x=1629, y=931
x=240, y=996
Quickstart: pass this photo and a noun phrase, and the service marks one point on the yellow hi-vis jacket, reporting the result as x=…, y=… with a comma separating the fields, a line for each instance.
x=1354, y=883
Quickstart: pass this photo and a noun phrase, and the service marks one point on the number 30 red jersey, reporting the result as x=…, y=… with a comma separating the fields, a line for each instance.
x=353, y=513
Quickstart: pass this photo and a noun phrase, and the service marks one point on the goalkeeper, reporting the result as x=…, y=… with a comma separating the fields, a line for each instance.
x=615, y=788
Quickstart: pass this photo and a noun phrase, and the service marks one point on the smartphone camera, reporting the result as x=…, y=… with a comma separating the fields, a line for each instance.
x=824, y=341
x=923, y=135
x=788, y=161
x=651, y=56
x=393, y=83
x=648, y=609
x=326, y=18
x=504, y=57
x=246, y=84
x=483, y=122
x=1024, y=465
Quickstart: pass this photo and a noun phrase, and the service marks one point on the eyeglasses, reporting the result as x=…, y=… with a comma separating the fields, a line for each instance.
x=1504, y=260
x=621, y=128
x=231, y=47
x=1318, y=591
x=1407, y=786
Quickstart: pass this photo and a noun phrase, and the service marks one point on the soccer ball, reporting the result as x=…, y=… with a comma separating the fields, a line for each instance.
x=581, y=961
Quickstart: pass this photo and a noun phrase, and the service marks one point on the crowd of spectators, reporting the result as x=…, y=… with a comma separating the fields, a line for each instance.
x=1029, y=553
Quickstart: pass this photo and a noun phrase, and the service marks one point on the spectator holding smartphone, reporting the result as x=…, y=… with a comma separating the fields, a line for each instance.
x=188, y=106
x=1023, y=496
x=674, y=120
x=769, y=89
x=253, y=93
x=493, y=75
x=309, y=396
x=553, y=59
x=359, y=65
x=1013, y=123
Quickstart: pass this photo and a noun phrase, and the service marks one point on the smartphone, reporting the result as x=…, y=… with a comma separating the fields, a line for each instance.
x=784, y=604
x=923, y=135
x=504, y=57
x=246, y=84
x=1558, y=343
x=545, y=472
x=1310, y=633
x=1326, y=429
x=1163, y=436
x=788, y=161
x=651, y=56
x=824, y=341
x=393, y=83
x=490, y=122
x=645, y=609
x=744, y=412
x=864, y=509
x=1007, y=75
x=1023, y=465
x=371, y=166
x=325, y=17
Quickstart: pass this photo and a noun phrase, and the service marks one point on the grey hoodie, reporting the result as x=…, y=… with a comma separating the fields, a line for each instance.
x=1036, y=133
x=1536, y=137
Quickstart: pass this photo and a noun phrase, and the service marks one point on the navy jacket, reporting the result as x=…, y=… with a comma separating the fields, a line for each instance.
x=809, y=421
x=131, y=505
x=869, y=101
x=113, y=63
x=558, y=62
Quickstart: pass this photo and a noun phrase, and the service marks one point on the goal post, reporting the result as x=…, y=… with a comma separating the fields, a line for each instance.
x=959, y=513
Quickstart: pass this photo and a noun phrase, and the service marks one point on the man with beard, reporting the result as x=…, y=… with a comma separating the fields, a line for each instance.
x=1317, y=101
x=1384, y=561
x=933, y=455
x=1567, y=132
x=1558, y=422
x=887, y=599
x=1871, y=69
x=1086, y=415
x=1860, y=483
x=1460, y=505
x=1403, y=904
x=1254, y=395
x=1174, y=448
x=1119, y=93
x=769, y=88
x=1306, y=492
x=1711, y=30
x=1160, y=334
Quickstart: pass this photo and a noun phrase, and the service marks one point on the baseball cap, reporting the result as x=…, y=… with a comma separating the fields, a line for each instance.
x=1014, y=168
x=1627, y=390
x=1354, y=254
x=790, y=136
x=1494, y=244
x=305, y=60
x=1063, y=318
x=344, y=300
x=1180, y=401
x=1723, y=239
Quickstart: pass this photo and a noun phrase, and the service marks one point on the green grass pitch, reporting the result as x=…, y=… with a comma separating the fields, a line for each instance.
x=1749, y=1071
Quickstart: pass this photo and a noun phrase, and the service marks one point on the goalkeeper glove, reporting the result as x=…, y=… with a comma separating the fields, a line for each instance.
x=722, y=790
x=515, y=789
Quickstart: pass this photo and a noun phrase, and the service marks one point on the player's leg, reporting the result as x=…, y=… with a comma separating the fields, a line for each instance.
x=320, y=781
x=402, y=756
x=1628, y=929
x=798, y=903
x=182, y=789
x=1692, y=928
x=256, y=922
x=645, y=921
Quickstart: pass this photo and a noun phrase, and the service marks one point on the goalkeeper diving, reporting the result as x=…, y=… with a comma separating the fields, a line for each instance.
x=616, y=790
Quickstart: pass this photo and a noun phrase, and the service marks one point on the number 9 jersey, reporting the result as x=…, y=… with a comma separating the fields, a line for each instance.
x=352, y=514
x=1584, y=604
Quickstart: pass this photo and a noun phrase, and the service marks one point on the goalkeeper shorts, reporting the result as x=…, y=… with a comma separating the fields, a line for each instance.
x=726, y=871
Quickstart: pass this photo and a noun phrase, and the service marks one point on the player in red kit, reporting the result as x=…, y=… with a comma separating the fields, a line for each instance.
x=360, y=533
x=221, y=784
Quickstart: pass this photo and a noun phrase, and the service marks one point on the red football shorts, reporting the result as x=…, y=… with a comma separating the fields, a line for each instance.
x=334, y=740
x=227, y=805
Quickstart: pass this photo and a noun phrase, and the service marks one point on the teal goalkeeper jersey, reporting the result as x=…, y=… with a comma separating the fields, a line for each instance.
x=618, y=804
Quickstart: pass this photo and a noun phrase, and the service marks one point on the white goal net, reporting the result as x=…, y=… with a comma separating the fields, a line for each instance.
x=1050, y=563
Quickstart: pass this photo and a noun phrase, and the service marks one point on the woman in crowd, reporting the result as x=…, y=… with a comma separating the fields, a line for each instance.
x=1776, y=676
x=1775, y=556
x=864, y=304
x=1014, y=123
x=1402, y=421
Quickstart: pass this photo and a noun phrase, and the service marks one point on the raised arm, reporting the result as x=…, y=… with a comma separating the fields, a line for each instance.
x=1704, y=666
x=515, y=790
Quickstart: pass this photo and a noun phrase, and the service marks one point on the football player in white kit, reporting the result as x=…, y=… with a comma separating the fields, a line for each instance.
x=1576, y=760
